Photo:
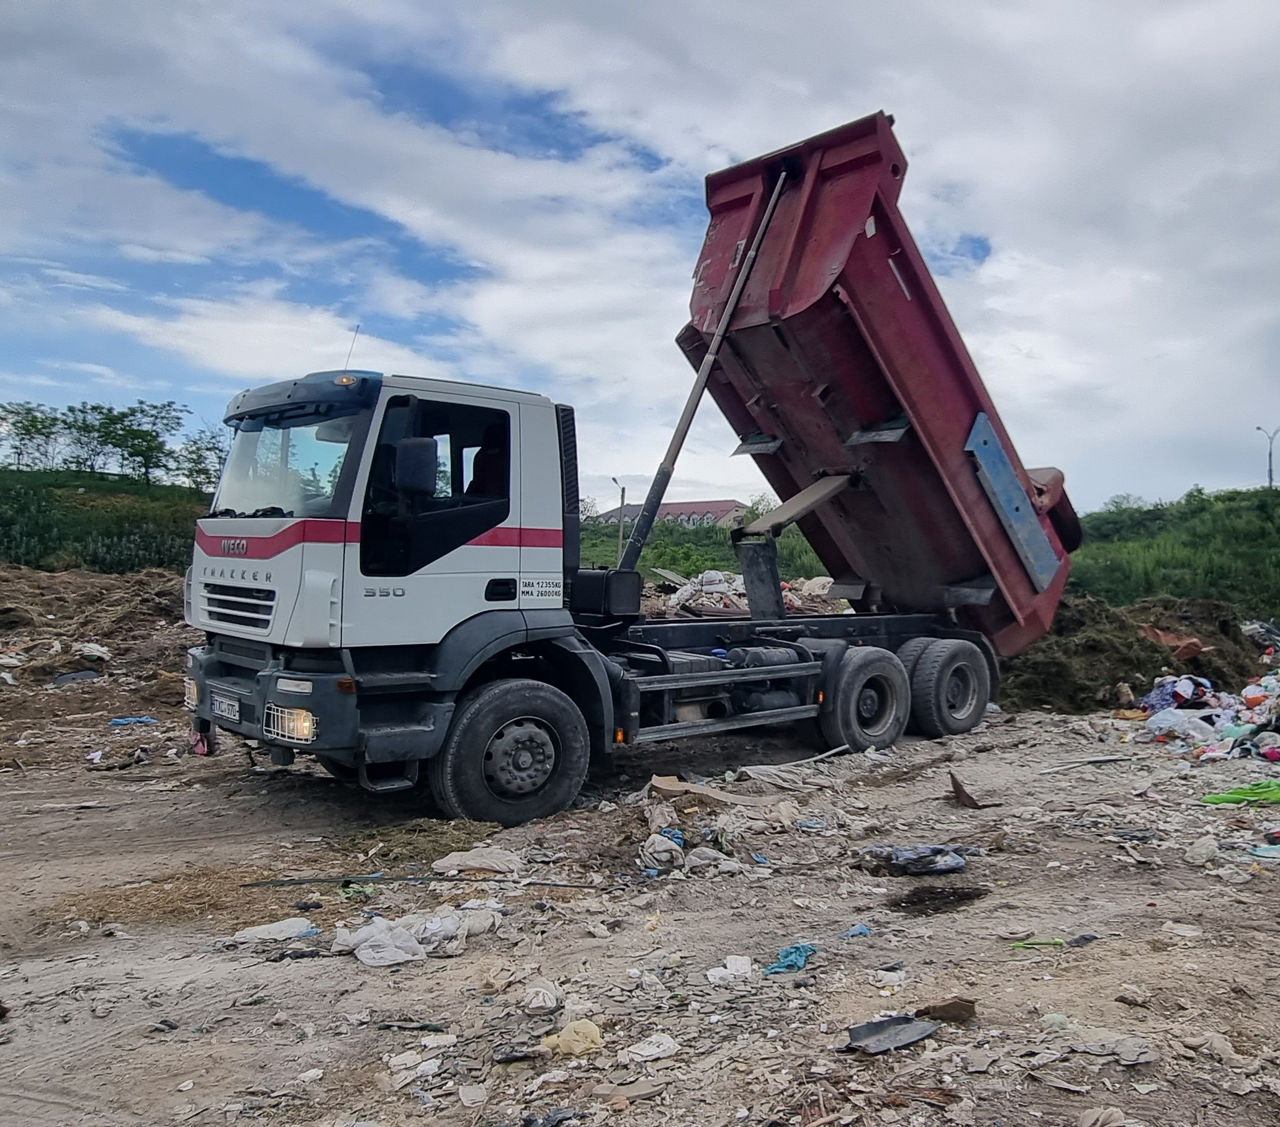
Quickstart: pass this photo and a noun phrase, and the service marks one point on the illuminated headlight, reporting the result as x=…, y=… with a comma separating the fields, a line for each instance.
x=190, y=693
x=296, y=725
x=289, y=685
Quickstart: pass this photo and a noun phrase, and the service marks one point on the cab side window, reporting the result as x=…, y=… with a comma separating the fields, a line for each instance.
x=402, y=532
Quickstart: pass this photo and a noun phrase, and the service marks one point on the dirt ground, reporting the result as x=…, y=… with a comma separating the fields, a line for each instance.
x=128, y=1002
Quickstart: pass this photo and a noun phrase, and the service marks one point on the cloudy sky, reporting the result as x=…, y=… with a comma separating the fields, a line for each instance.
x=195, y=198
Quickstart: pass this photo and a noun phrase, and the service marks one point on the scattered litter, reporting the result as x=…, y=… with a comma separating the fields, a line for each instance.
x=1033, y=944
x=383, y=942
x=858, y=931
x=1105, y=1117
x=669, y=787
x=914, y=860
x=486, y=858
x=1184, y=931
x=1201, y=851
x=979, y=1060
x=576, y=1039
x=77, y=675
x=897, y=1032
x=292, y=928
x=1087, y=763
x=310, y=1076
x=510, y=1053
x=661, y=853
x=657, y=1047
x=963, y=798
x=955, y=1010
x=472, y=1095
x=792, y=958
x=1265, y=790
x=1082, y=940
x=735, y=969
x=704, y=858
x=541, y=997
x=641, y=1088
x=121, y=721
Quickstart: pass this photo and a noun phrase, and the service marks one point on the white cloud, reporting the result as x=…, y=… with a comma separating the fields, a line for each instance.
x=255, y=336
x=1121, y=159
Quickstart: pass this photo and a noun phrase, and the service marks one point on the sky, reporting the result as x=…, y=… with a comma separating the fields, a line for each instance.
x=198, y=198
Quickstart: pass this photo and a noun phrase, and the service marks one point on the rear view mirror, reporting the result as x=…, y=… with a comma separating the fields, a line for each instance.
x=416, y=466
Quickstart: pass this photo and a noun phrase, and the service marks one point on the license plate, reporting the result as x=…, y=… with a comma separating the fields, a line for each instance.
x=227, y=708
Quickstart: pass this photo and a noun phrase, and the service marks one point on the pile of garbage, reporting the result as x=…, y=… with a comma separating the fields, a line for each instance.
x=74, y=625
x=714, y=592
x=1202, y=723
x=1093, y=647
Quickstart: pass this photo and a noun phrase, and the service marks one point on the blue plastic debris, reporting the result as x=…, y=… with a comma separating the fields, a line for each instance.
x=673, y=834
x=792, y=958
x=121, y=721
x=759, y=858
x=856, y=932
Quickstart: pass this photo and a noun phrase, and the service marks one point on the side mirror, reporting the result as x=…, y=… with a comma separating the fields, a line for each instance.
x=416, y=466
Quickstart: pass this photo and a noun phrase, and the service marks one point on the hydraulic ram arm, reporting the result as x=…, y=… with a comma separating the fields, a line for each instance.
x=658, y=489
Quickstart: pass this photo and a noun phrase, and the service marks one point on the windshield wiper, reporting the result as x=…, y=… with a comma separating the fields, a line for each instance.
x=271, y=511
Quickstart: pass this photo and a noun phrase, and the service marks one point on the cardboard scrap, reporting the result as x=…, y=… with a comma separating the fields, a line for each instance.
x=668, y=786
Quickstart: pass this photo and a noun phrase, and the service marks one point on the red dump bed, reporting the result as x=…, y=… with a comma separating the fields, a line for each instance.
x=842, y=361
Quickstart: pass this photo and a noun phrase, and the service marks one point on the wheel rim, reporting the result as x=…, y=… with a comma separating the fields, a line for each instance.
x=960, y=691
x=874, y=705
x=521, y=758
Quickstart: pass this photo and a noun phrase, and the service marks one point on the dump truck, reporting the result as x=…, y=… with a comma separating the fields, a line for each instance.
x=390, y=578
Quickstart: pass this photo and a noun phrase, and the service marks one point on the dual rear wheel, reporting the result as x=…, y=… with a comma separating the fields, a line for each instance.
x=931, y=686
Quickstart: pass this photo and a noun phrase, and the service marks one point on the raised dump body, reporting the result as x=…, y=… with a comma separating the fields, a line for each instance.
x=841, y=361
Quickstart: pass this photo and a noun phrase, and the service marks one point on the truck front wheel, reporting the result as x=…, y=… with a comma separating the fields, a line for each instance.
x=516, y=750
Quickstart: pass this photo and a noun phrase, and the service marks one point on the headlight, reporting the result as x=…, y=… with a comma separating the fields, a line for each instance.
x=190, y=693
x=296, y=725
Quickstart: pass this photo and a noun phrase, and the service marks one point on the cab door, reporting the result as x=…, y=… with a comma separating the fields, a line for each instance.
x=425, y=562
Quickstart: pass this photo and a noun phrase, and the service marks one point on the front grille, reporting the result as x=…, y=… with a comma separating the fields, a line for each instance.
x=250, y=607
x=257, y=652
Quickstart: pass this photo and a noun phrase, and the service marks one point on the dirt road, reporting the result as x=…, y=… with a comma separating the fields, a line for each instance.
x=127, y=1005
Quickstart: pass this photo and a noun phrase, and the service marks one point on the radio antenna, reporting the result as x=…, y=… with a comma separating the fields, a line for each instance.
x=352, y=348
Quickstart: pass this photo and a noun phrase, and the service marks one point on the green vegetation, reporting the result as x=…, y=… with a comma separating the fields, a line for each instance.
x=1205, y=546
x=56, y=519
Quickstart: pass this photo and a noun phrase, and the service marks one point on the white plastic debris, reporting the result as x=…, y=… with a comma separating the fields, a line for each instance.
x=291, y=928
x=486, y=857
x=541, y=997
x=657, y=1047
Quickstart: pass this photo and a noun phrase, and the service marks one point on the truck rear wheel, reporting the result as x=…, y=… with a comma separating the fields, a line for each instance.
x=871, y=701
x=950, y=687
x=516, y=750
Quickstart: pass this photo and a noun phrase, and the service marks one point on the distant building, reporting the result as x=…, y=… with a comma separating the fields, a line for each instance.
x=691, y=514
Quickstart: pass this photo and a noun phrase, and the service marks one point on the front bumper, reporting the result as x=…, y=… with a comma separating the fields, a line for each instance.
x=312, y=712
x=261, y=698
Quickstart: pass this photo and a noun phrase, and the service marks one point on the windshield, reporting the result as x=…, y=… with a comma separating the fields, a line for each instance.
x=288, y=466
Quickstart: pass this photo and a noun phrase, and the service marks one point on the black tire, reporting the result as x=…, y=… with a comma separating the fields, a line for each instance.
x=872, y=701
x=950, y=688
x=516, y=750
x=909, y=653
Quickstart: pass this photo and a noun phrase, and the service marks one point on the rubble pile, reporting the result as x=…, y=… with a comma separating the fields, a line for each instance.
x=722, y=593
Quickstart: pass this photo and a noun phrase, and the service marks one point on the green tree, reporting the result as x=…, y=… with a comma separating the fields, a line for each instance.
x=199, y=459
x=88, y=430
x=33, y=434
x=139, y=437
